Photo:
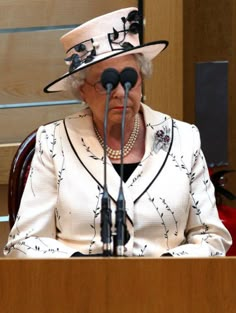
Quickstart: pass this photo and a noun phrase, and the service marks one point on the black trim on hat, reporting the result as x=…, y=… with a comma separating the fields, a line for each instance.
x=136, y=49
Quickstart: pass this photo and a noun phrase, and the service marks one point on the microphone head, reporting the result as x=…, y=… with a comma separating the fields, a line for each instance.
x=110, y=78
x=128, y=77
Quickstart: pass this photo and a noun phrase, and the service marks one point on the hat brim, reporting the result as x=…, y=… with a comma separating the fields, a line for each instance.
x=149, y=50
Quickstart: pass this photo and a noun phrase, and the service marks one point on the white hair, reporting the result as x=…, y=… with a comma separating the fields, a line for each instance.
x=74, y=81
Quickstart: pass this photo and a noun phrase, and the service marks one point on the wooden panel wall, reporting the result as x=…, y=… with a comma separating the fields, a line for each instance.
x=164, y=20
x=207, y=37
x=210, y=35
x=26, y=13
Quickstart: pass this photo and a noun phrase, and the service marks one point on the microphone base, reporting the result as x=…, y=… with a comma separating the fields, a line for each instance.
x=107, y=253
x=107, y=249
x=120, y=250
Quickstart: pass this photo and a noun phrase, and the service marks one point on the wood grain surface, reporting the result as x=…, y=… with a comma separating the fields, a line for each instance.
x=28, y=13
x=113, y=285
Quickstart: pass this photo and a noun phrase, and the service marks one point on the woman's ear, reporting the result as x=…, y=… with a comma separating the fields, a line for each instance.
x=81, y=92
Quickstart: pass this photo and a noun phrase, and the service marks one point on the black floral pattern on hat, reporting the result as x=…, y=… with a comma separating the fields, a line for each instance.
x=116, y=39
x=85, y=56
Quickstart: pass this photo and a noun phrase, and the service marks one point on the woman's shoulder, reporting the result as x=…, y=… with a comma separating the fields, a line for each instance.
x=182, y=130
x=185, y=127
x=153, y=116
x=186, y=134
x=49, y=127
x=161, y=116
x=56, y=124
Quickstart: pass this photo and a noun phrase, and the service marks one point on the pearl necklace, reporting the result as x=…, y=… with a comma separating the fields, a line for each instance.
x=116, y=154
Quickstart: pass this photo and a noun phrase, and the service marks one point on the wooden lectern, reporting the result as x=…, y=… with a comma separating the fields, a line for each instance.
x=118, y=285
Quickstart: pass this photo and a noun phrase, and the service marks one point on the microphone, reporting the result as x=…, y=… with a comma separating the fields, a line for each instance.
x=128, y=78
x=110, y=79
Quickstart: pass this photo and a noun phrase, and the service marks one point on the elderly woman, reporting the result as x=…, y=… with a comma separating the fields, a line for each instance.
x=169, y=199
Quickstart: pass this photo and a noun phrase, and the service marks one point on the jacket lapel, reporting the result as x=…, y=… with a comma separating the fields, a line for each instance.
x=83, y=140
x=159, y=136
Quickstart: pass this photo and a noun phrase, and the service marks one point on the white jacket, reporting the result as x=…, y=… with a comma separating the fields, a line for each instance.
x=169, y=197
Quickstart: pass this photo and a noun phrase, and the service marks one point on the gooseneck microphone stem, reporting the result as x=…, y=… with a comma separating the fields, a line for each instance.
x=128, y=78
x=109, y=80
x=120, y=205
x=106, y=223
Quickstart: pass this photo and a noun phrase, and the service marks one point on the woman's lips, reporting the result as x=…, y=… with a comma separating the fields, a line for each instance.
x=118, y=108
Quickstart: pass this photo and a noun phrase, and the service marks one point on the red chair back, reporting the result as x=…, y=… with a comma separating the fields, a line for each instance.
x=227, y=213
x=18, y=175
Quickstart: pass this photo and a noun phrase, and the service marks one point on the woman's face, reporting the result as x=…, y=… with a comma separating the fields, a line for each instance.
x=96, y=100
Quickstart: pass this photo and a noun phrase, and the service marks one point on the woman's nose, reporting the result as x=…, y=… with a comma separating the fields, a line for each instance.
x=119, y=90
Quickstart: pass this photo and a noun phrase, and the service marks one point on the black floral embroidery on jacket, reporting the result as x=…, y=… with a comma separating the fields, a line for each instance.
x=173, y=215
x=142, y=251
x=41, y=247
x=77, y=116
x=91, y=154
x=41, y=149
x=191, y=174
x=53, y=140
x=96, y=212
x=22, y=244
x=58, y=219
x=31, y=179
x=60, y=174
x=137, y=177
x=161, y=216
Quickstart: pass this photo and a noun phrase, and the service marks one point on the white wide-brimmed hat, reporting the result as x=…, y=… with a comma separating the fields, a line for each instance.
x=107, y=36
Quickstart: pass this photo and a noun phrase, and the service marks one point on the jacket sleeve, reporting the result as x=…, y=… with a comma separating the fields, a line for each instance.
x=205, y=234
x=34, y=232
